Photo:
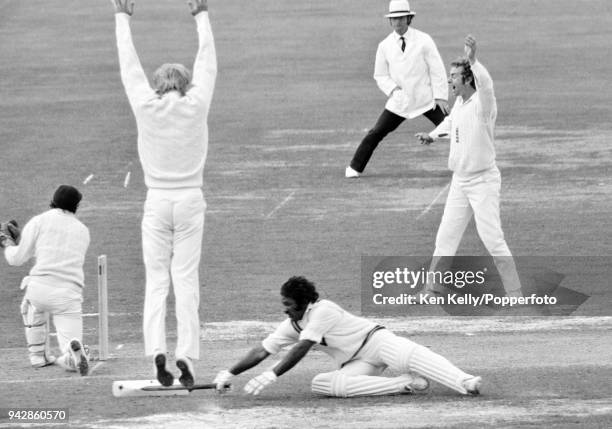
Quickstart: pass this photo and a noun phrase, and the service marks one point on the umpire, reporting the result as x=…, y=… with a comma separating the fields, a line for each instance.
x=410, y=72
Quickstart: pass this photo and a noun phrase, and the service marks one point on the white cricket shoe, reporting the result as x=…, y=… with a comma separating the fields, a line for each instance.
x=472, y=385
x=349, y=173
x=79, y=356
x=415, y=383
x=187, y=378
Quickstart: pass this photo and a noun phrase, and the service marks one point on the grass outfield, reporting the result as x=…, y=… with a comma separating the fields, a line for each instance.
x=293, y=99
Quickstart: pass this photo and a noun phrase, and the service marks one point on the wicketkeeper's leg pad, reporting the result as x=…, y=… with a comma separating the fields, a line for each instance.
x=37, y=332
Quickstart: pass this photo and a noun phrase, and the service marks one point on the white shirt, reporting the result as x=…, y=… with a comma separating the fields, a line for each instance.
x=418, y=71
x=471, y=127
x=172, y=130
x=58, y=241
x=335, y=331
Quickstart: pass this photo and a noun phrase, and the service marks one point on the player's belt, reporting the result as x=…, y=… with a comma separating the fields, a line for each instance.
x=365, y=341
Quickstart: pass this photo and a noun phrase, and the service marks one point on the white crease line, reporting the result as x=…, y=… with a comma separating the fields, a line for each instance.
x=71, y=378
x=112, y=314
x=88, y=179
x=282, y=203
x=428, y=208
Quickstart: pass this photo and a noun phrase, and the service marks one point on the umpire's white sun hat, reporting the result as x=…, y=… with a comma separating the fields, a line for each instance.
x=399, y=8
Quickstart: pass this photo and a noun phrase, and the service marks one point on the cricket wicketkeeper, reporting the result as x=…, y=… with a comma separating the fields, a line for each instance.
x=54, y=287
x=361, y=349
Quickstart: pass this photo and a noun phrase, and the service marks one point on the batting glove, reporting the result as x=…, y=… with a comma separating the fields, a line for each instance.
x=257, y=384
x=222, y=380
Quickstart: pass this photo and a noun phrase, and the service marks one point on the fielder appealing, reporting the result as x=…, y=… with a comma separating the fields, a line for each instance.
x=476, y=181
x=361, y=349
x=410, y=72
x=54, y=286
x=172, y=145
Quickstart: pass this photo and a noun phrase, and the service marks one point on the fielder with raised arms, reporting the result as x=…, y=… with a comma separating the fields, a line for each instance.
x=361, y=349
x=171, y=118
x=476, y=182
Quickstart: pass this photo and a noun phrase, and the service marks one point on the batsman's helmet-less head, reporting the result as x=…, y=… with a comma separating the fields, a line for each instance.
x=171, y=77
x=67, y=198
x=301, y=290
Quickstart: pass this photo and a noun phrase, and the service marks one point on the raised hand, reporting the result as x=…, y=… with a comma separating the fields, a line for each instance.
x=470, y=48
x=123, y=6
x=197, y=6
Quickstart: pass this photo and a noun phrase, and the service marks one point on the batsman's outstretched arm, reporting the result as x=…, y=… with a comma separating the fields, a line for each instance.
x=257, y=384
x=295, y=355
x=252, y=358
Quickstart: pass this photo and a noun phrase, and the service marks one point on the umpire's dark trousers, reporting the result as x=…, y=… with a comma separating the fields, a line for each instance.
x=387, y=122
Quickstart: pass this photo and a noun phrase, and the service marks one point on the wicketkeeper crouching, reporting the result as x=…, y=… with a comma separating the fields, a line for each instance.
x=54, y=286
x=362, y=350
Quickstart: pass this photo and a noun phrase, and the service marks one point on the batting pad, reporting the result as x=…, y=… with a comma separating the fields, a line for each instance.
x=345, y=386
x=403, y=355
x=438, y=368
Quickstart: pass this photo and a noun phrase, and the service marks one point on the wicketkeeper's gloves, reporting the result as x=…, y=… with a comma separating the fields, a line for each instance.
x=222, y=379
x=9, y=233
x=257, y=384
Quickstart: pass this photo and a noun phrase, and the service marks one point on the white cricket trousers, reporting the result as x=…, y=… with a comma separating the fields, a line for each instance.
x=362, y=375
x=62, y=301
x=479, y=197
x=172, y=227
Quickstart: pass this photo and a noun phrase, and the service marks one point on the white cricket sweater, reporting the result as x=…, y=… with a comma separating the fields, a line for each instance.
x=334, y=330
x=471, y=127
x=172, y=129
x=59, y=242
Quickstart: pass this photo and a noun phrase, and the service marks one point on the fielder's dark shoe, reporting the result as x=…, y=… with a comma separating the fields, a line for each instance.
x=81, y=360
x=186, y=367
x=164, y=377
